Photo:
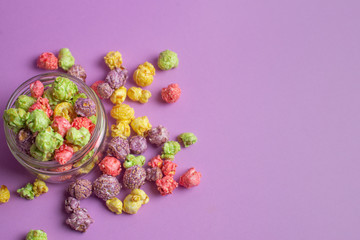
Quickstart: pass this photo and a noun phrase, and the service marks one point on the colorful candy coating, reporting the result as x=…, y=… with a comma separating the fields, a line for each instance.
x=156, y=162
x=27, y=192
x=141, y=125
x=78, y=137
x=158, y=135
x=113, y=59
x=48, y=61
x=119, y=148
x=24, y=139
x=76, y=97
x=36, y=89
x=144, y=74
x=117, y=77
x=132, y=160
x=40, y=155
x=4, y=194
x=48, y=93
x=187, y=139
x=24, y=102
x=134, y=177
x=153, y=174
x=104, y=90
x=79, y=220
x=123, y=113
x=114, y=205
x=80, y=189
x=166, y=185
x=48, y=140
x=85, y=107
x=42, y=104
x=190, y=179
x=64, y=89
x=110, y=166
x=63, y=154
x=171, y=93
x=134, y=201
x=168, y=60
x=60, y=125
x=71, y=204
x=80, y=122
x=93, y=119
x=169, y=168
x=170, y=149
x=94, y=87
x=77, y=71
x=66, y=60
x=39, y=187
x=120, y=129
x=119, y=95
x=15, y=118
x=37, y=121
x=137, y=94
x=36, y=235
x=106, y=187
x=137, y=144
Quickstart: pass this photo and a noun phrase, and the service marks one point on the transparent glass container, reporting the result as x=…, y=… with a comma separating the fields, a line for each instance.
x=84, y=160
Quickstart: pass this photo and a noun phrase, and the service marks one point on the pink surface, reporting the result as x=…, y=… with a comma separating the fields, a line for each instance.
x=271, y=89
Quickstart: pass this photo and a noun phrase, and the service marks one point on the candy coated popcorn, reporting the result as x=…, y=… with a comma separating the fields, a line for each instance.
x=137, y=144
x=78, y=137
x=77, y=71
x=120, y=129
x=158, y=135
x=80, y=189
x=27, y=192
x=60, y=125
x=114, y=205
x=119, y=148
x=187, y=139
x=190, y=179
x=80, y=122
x=93, y=119
x=66, y=60
x=110, y=166
x=36, y=235
x=169, y=168
x=113, y=59
x=104, y=90
x=153, y=174
x=106, y=187
x=15, y=118
x=76, y=97
x=170, y=149
x=48, y=93
x=134, y=177
x=79, y=220
x=137, y=94
x=48, y=61
x=168, y=60
x=64, y=89
x=63, y=154
x=119, y=95
x=85, y=107
x=123, y=113
x=117, y=77
x=156, y=162
x=43, y=104
x=141, y=125
x=144, y=74
x=166, y=185
x=24, y=102
x=40, y=155
x=39, y=187
x=48, y=140
x=131, y=160
x=24, y=139
x=36, y=89
x=37, y=121
x=171, y=93
x=71, y=204
x=134, y=201
x=4, y=194
x=94, y=87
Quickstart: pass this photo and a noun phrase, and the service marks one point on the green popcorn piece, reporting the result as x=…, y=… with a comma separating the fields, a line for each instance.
x=84, y=159
x=48, y=93
x=15, y=118
x=76, y=97
x=48, y=140
x=39, y=155
x=78, y=137
x=24, y=102
x=131, y=160
x=187, y=139
x=37, y=121
x=93, y=119
x=66, y=59
x=27, y=192
x=168, y=60
x=36, y=235
x=64, y=89
x=170, y=149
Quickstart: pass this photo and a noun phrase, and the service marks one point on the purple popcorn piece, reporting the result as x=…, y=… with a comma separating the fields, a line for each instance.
x=77, y=71
x=25, y=138
x=85, y=107
x=153, y=174
x=105, y=90
x=79, y=220
x=137, y=144
x=71, y=204
x=117, y=78
x=158, y=135
x=106, y=187
x=80, y=189
x=134, y=177
x=119, y=148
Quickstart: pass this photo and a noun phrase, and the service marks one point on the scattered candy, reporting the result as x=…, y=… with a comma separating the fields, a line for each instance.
x=120, y=129
x=36, y=89
x=134, y=201
x=71, y=204
x=144, y=74
x=4, y=194
x=104, y=90
x=77, y=71
x=114, y=205
x=94, y=87
x=171, y=93
x=79, y=220
x=119, y=95
x=63, y=154
x=158, y=135
x=190, y=179
x=131, y=160
x=141, y=125
x=123, y=113
x=187, y=139
x=134, y=177
x=168, y=60
x=119, y=148
x=137, y=94
x=106, y=187
x=24, y=102
x=156, y=162
x=80, y=189
x=39, y=187
x=117, y=77
x=66, y=60
x=153, y=174
x=170, y=149
x=48, y=61
x=169, y=168
x=60, y=125
x=36, y=235
x=85, y=107
x=27, y=192
x=137, y=144
x=110, y=166
x=166, y=185
x=113, y=59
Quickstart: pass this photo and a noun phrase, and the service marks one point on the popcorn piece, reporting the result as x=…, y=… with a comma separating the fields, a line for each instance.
x=170, y=149
x=36, y=235
x=105, y=90
x=24, y=102
x=134, y=201
x=153, y=174
x=117, y=77
x=169, y=168
x=141, y=125
x=131, y=160
x=63, y=154
x=27, y=192
x=37, y=121
x=65, y=110
x=77, y=71
x=156, y=162
x=78, y=137
x=85, y=107
x=48, y=93
x=168, y=60
x=158, y=135
x=119, y=148
x=114, y=205
x=123, y=113
x=187, y=139
x=66, y=60
x=42, y=104
x=137, y=94
x=110, y=166
x=24, y=139
x=80, y=189
x=166, y=185
x=15, y=118
x=134, y=177
x=137, y=144
x=48, y=140
x=79, y=220
x=94, y=87
x=39, y=155
x=171, y=93
x=106, y=187
x=64, y=89
x=190, y=179
x=113, y=59
x=144, y=74
x=76, y=97
x=93, y=119
x=48, y=61
x=36, y=89
x=80, y=122
x=119, y=95
x=39, y=187
x=71, y=204
x=60, y=125
x=120, y=129
x=4, y=194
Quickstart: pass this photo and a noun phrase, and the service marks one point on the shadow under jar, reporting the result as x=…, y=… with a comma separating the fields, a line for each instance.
x=84, y=160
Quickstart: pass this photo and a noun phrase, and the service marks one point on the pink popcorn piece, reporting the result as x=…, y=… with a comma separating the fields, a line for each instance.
x=42, y=104
x=156, y=162
x=110, y=166
x=94, y=87
x=48, y=61
x=80, y=122
x=36, y=89
x=169, y=168
x=63, y=154
x=171, y=93
x=166, y=185
x=60, y=125
x=190, y=179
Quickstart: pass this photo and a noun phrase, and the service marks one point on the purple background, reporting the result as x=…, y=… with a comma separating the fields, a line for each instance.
x=270, y=88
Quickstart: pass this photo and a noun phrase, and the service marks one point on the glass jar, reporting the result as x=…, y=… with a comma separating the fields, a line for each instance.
x=84, y=160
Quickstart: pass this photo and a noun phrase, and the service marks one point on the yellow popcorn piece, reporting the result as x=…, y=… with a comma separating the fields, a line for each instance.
x=144, y=74
x=4, y=194
x=137, y=94
x=134, y=201
x=141, y=125
x=114, y=205
x=65, y=110
x=39, y=187
x=123, y=113
x=113, y=59
x=119, y=95
x=120, y=129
